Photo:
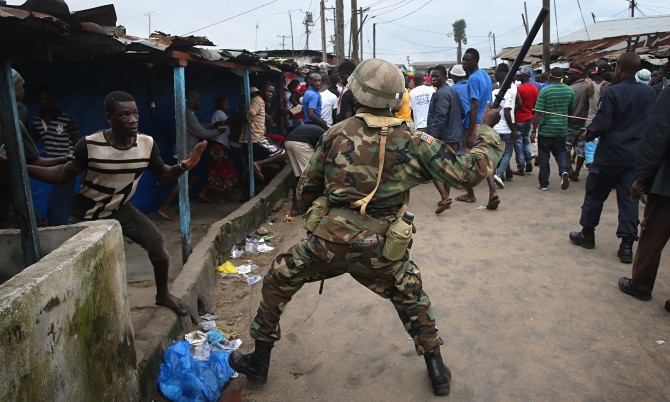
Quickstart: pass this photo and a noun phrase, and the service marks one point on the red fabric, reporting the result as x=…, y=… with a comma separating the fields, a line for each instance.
x=528, y=94
x=276, y=138
x=221, y=171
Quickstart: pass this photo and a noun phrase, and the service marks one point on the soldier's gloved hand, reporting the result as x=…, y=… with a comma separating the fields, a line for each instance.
x=491, y=117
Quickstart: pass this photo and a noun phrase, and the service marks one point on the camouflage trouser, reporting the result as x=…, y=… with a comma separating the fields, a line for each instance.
x=315, y=259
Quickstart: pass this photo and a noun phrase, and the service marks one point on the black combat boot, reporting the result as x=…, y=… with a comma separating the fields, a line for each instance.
x=625, y=252
x=439, y=373
x=585, y=238
x=254, y=365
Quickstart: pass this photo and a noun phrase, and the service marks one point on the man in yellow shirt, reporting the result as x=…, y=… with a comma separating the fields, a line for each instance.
x=404, y=111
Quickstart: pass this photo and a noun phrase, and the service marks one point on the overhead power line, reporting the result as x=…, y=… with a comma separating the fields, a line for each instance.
x=230, y=18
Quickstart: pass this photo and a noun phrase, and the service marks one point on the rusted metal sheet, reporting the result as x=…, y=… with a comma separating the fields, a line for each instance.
x=654, y=48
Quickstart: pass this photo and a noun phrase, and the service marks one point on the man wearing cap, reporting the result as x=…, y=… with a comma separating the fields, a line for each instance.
x=459, y=76
x=523, y=117
x=419, y=101
x=550, y=126
x=619, y=125
x=583, y=92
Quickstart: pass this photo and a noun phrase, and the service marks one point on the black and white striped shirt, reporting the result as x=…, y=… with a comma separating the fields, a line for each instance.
x=110, y=174
x=57, y=134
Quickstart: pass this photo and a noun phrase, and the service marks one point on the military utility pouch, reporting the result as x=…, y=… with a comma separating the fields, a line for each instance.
x=314, y=214
x=398, y=239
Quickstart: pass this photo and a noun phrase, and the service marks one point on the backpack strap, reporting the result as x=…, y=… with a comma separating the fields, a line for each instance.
x=383, y=123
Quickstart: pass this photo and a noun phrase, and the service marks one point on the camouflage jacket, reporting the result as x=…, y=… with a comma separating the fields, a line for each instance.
x=345, y=162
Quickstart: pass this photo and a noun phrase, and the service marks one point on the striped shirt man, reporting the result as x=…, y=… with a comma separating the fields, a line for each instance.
x=111, y=175
x=60, y=134
x=556, y=98
x=257, y=112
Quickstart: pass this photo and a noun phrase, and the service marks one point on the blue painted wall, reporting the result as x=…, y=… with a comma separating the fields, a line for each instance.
x=82, y=87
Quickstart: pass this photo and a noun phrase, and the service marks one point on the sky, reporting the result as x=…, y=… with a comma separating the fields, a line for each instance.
x=418, y=29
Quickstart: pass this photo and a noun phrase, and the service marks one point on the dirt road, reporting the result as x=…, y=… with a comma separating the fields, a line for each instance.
x=526, y=316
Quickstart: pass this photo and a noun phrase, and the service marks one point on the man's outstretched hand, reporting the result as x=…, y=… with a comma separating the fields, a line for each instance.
x=194, y=156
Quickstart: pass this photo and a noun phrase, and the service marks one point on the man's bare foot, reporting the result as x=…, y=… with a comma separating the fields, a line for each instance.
x=258, y=171
x=173, y=303
x=163, y=212
x=203, y=198
x=466, y=198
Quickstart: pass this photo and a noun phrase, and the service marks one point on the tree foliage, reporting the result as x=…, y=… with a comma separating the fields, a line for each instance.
x=459, y=36
x=459, y=31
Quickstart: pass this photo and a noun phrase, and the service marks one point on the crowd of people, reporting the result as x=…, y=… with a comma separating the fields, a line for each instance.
x=612, y=119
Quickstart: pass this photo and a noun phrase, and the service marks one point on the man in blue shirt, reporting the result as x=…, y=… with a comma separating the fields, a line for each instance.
x=311, y=101
x=619, y=124
x=480, y=93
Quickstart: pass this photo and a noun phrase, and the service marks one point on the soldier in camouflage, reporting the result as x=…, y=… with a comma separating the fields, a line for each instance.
x=344, y=169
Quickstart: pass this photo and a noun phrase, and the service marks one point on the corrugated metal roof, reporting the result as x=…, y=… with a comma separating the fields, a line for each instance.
x=30, y=35
x=654, y=48
x=622, y=27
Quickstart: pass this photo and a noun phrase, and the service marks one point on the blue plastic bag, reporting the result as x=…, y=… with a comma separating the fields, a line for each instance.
x=181, y=378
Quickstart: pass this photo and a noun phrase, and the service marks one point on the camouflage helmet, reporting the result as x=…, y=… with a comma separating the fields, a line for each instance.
x=377, y=83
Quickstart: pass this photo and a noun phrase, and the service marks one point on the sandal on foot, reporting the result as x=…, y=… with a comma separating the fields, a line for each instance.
x=443, y=205
x=493, y=203
x=465, y=198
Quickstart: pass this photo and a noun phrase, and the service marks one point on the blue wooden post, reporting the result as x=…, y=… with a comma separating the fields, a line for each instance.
x=250, y=150
x=182, y=151
x=18, y=173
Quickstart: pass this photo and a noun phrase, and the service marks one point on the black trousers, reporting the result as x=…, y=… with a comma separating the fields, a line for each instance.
x=599, y=184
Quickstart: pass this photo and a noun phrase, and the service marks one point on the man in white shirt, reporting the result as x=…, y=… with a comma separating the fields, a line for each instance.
x=419, y=101
x=506, y=127
x=328, y=102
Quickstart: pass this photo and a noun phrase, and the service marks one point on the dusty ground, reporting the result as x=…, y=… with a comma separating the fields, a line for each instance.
x=526, y=316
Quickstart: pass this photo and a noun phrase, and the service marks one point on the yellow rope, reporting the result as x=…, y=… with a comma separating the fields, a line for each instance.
x=559, y=114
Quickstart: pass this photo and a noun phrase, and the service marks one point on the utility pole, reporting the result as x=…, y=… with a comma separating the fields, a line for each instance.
x=148, y=15
x=525, y=11
x=495, y=59
x=362, y=20
x=324, y=55
x=632, y=8
x=339, y=30
x=309, y=22
x=546, y=38
x=292, y=45
x=374, y=40
x=283, y=41
x=354, y=31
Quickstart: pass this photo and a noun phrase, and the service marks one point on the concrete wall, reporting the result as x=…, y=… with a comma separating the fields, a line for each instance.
x=195, y=284
x=66, y=329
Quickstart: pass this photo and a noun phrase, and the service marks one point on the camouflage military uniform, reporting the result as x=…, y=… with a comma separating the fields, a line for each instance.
x=344, y=168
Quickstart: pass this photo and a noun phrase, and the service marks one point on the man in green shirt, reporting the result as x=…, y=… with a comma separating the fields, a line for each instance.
x=550, y=126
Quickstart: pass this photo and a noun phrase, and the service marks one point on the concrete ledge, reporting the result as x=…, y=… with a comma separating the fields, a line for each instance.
x=67, y=333
x=195, y=284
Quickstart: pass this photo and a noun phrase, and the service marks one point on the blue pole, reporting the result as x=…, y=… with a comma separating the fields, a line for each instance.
x=250, y=151
x=18, y=173
x=182, y=151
